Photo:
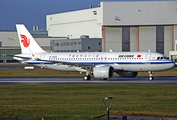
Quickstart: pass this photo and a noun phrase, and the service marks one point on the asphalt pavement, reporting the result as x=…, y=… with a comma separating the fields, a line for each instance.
x=79, y=80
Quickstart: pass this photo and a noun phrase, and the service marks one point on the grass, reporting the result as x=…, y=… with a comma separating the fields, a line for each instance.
x=55, y=73
x=85, y=101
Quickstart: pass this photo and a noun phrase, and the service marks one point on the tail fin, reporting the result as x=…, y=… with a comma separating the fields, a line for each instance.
x=27, y=42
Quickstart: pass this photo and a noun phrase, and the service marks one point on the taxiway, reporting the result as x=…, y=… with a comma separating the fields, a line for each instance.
x=79, y=80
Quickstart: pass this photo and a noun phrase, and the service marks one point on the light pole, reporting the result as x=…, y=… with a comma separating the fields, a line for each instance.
x=107, y=98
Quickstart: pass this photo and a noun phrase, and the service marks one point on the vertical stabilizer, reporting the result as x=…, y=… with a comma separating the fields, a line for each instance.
x=27, y=42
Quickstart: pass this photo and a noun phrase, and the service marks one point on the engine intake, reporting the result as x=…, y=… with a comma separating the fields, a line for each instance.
x=103, y=72
x=127, y=74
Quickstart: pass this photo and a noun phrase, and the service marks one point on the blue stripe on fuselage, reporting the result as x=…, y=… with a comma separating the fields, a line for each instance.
x=96, y=63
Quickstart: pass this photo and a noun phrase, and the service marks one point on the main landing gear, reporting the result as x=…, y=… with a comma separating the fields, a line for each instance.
x=87, y=76
x=150, y=76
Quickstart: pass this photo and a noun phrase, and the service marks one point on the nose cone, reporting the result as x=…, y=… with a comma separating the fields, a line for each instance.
x=171, y=65
x=174, y=64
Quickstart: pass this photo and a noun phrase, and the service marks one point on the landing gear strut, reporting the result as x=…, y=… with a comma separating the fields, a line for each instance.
x=150, y=76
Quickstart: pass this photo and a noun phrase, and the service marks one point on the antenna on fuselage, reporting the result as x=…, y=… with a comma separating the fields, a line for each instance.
x=110, y=50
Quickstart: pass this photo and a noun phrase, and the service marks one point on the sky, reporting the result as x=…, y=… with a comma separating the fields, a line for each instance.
x=33, y=12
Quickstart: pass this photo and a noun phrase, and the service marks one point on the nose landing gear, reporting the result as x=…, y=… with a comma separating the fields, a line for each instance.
x=150, y=76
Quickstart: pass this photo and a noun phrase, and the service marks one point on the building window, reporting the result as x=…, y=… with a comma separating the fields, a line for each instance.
x=9, y=59
x=125, y=38
x=56, y=44
x=160, y=39
x=174, y=58
x=79, y=43
x=75, y=43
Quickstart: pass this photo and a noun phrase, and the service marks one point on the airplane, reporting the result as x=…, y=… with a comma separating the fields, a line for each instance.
x=101, y=65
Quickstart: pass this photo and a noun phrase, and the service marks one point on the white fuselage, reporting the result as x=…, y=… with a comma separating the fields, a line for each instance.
x=101, y=64
x=120, y=61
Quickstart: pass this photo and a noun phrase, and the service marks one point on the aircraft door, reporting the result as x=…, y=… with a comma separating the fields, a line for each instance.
x=148, y=57
x=42, y=58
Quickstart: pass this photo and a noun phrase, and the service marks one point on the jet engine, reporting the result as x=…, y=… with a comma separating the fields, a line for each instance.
x=127, y=74
x=103, y=72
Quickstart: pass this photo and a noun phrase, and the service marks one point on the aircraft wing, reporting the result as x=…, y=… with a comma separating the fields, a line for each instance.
x=70, y=64
x=76, y=64
x=84, y=65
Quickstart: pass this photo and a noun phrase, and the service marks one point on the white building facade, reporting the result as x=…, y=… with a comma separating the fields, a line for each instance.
x=123, y=26
x=77, y=45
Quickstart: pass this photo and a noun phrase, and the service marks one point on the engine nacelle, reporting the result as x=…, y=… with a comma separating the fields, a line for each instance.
x=103, y=72
x=127, y=74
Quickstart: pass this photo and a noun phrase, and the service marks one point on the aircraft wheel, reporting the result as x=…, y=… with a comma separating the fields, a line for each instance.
x=87, y=77
x=151, y=78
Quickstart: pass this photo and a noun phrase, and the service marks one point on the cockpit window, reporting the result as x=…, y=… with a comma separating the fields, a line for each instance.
x=161, y=58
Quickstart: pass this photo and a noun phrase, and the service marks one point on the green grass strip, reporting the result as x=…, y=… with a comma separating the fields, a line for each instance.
x=55, y=73
x=85, y=101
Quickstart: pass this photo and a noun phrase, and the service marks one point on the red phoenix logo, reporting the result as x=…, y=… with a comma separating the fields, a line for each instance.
x=25, y=41
x=138, y=56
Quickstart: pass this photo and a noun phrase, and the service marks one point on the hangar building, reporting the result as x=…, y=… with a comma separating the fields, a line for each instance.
x=123, y=26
